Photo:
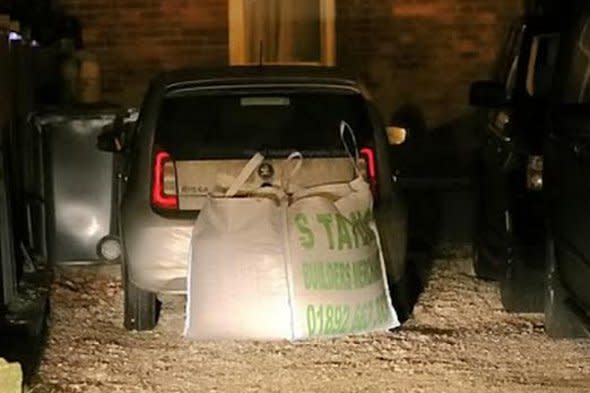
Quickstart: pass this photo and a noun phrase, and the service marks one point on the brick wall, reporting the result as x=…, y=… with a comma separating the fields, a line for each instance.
x=424, y=52
x=134, y=39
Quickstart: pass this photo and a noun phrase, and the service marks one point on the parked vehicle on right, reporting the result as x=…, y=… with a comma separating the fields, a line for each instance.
x=509, y=234
x=567, y=186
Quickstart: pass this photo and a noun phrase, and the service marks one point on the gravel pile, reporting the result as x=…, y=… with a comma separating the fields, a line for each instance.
x=459, y=340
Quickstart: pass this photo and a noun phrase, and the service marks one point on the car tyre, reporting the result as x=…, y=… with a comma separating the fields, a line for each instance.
x=405, y=293
x=522, y=288
x=392, y=227
x=141, y=308
x=560, y=321
x=483, y=265
x=484, y=268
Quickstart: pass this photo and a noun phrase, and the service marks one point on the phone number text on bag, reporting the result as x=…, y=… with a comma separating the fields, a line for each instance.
x=328, y=319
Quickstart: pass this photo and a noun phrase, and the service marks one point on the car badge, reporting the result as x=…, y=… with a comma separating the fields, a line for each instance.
x=266, y=171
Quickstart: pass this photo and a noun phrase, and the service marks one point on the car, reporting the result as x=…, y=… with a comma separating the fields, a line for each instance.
x=195, y=124
x=567, y=187
x=509, y=233
x=26, y=274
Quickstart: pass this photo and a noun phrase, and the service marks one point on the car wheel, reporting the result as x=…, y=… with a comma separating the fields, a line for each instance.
x=560, y=320
x=141, y=308
x=406, y=291
x=392, y=227
x=484, y=267
x=521, y=288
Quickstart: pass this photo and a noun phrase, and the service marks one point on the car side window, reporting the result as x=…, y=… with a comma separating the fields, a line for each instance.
x=511, y=80
x=584, y=48
x=578, y=78
x=508, y=68
x=542, y=62
x=509, y=65
x=508, y=52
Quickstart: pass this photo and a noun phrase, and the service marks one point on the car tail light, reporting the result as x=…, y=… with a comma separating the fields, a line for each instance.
x=368, y=156
x=164, y=190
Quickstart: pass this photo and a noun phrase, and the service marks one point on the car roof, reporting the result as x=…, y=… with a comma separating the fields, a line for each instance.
x=247, y=75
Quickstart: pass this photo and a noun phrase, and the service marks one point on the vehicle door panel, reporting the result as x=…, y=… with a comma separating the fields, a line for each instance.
x=496, y=154
x=7, y=260
x=515, y=213
x=568, y=155
x=568, y=151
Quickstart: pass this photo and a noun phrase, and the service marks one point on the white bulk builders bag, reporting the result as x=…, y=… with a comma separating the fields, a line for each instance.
x=268, y=267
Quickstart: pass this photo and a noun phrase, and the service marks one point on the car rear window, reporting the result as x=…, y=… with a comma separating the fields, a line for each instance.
x=274, y=123
x=542, y=62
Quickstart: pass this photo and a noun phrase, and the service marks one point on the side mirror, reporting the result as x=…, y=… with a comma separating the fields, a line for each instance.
x=396, y=135
x=488, y=94
x=109, y=141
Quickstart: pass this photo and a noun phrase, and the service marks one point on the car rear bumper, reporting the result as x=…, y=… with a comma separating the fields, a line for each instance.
x=156, y=250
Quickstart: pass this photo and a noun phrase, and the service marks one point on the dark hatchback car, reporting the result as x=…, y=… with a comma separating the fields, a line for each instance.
x=509, y=230
x=197, y=124
x=567, y=186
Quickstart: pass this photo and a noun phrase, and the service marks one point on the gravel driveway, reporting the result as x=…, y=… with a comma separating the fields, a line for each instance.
x=459, y=340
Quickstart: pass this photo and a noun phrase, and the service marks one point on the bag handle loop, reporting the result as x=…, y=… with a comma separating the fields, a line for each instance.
x=353, y=151
x=245, y=174
x=287, y=176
